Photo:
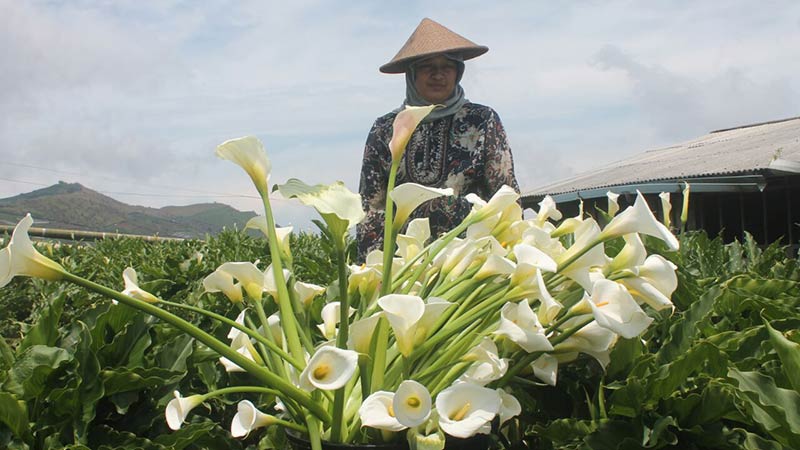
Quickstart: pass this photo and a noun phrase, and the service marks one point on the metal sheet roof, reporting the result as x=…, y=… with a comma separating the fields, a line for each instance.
x=752, y=149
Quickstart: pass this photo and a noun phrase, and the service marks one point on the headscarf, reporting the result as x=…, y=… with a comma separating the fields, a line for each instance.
x=451, y=105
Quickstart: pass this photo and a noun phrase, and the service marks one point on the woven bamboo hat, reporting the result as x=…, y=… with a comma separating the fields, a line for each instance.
x=431, y=38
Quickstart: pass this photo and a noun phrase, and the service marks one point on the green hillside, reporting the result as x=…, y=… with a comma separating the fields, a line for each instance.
x=73, y=206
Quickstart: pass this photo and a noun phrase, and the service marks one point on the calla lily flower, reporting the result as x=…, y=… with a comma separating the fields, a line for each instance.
x=655, y=284
x=179, y=407
x=248, y=152
x=364, y=279
x=633, y=254
x=413, y=241
x=411, y=318
x=549, y=307
x=329, y=369
x=666, y=208
x=586, y=235
x=338, y=206
x=613, y=203
x=594, y=340
x=284, y=234
x=487, y=365
x=519, y=323
x=639, y=219
x=377, y=412
x=220, y=281
x=456, y=257
x=530, y=260
x=615, y=309
x=243, y=350
x=465, y=409
x=547, y=210
x=481, y=209
x=685, y=204
x=361, y=332
x=403, y=127
x=20, y=258
x=495, y=265
x=545, y=368
x=246, y=273
x=509, y=406
x=411, y=403
x=270, y=286
x=132, y=288
x=249, y=418
x=330, y=318
x=306, y=292
x=408, y=196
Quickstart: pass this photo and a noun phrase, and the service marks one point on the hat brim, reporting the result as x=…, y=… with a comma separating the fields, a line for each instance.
x=402, y=64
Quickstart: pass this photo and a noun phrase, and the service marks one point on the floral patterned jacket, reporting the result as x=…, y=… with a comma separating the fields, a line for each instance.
x=466, y=151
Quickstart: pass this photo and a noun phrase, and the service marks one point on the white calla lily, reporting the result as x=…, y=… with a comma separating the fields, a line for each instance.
x=666, y=208
x=270, y=286
x=330, y=318
x=587, y=235
x=509, y=406
x=639, y=219
x=530, y=260
x=340, y=207
x=495, y=265
x=408, y=196
x=132, y=288
x=549, y=307
x=613, y=203
x=329, y=369
x=243, y=350
x=519, y=323
x=411, y=403
x=306, y=292
x=655, y=283
x=249, y=418
x=615, y=309
x=405, y=122
x=481, y=209
x=411, y=318
x=179, y=407
x=487, y=366
x=220, y=281
x=413, y=241
x=360, y=333
x=248, y=152
x=284, y=234
x=592, y=339
x=633, y=254
x=547, y=210
x=20, y=258
x=465, y=409
x=545, y=368
x=377, y=412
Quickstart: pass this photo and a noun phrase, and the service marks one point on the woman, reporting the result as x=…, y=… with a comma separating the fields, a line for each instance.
x=460, y=145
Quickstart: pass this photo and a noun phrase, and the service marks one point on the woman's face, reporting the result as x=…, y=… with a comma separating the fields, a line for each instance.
x=435, y=78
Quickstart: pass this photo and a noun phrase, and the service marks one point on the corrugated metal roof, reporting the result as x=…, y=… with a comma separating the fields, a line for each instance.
x=752, y=149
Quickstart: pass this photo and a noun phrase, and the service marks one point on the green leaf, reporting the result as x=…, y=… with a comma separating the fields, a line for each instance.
x=685, y=330
x=45, y=331
x=777, y=410
x=124, y=379
x=29, y=375
x=788, y=352
x=14, y=414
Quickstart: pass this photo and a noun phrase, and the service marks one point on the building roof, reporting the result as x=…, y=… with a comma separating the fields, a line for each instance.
x=728, y=157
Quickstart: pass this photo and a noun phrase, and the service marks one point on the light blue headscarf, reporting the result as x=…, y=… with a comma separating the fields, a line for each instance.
x=451, y=105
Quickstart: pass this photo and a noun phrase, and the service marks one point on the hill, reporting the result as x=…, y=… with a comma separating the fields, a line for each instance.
x=76, y=207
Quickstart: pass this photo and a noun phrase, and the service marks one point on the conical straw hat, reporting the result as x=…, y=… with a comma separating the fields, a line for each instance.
x=429, y=39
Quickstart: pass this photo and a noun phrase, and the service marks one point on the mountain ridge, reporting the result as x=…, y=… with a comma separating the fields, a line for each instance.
x=76, y=207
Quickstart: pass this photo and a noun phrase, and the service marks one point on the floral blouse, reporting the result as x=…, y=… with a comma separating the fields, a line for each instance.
x=466, y=151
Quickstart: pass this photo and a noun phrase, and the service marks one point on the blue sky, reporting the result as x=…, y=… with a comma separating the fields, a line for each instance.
x=130, y=98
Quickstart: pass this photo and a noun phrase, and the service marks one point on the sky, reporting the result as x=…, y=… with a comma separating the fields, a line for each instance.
x=131, y=97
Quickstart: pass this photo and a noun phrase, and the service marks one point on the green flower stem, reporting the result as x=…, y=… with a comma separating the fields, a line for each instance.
x=238, y=390
x=288, y=320
x=232, y=323
x=337, y=428
x=450, y=376
x=222, y=349
x=524, y=362
x=313, y=432
x=378, y=350
x=388, y=232
x=445, y=286
x=262, y=317
x=436, y=247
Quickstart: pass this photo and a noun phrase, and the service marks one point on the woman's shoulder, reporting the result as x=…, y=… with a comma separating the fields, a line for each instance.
x=476, y=109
